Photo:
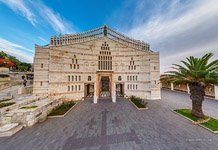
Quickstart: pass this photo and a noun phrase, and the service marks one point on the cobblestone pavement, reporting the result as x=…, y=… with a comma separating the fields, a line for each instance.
x=119, y=126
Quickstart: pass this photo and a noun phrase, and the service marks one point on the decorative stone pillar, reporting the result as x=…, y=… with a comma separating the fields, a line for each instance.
x=95, y=98
x=216, y=91
x=171, y=86
x=114, y=92
x=188, y=89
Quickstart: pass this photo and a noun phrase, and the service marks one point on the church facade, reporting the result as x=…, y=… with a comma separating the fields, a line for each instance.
x=97, y=63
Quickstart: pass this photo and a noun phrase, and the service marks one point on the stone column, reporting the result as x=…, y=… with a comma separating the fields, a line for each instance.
x=216, y=91
x=114, y=92
x=188, y=89
x=171, y=86
x=95, y=98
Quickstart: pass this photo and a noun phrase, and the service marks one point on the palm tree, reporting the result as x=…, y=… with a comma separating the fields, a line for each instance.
x=198, y=73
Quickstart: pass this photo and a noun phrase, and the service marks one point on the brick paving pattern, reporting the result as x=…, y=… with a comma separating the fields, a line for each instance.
x=119, y=126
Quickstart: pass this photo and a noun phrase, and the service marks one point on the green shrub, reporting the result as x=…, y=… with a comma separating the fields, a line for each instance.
x=28, y=107
x=138, y=102
x=6, y=104
x=62, y=109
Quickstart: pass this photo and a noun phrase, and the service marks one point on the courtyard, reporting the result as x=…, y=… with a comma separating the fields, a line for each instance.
x=120, y=125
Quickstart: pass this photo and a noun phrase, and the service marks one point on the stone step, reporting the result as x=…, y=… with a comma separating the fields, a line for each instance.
x=10, y=129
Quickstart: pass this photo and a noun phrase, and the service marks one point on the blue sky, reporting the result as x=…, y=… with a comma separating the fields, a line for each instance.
x=176, y=28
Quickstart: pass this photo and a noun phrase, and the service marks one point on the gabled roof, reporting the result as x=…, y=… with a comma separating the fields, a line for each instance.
x=103, y=31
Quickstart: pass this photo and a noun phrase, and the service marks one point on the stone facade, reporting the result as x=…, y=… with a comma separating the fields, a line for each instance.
x=96, y=63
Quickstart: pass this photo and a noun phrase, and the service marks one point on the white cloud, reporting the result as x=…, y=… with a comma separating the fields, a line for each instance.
x=44, y=40
x=185, y=29
x=21, y=7
x=17, y=50
x=37, y=12
x=53, y=18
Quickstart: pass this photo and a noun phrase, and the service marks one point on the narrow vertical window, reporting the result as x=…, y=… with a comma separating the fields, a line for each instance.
x=72, y=87
x=68, y=78
x=68, y=88
x=79, y=78
x=41, y=65
x=79, y=87
x=75, y=87
x=119, y=78
x=89, y=78
x=72, y=78
x=41, y=83
x=75, y=78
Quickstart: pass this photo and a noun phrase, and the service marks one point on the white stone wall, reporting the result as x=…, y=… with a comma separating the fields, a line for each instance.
x=57, y=61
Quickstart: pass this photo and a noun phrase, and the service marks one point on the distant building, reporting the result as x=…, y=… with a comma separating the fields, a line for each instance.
x=97, y=63
x=6, y=63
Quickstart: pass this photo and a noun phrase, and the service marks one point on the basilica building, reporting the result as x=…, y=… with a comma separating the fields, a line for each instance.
x=97, y=63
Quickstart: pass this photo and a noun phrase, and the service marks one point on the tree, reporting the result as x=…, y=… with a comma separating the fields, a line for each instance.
x=198, y=73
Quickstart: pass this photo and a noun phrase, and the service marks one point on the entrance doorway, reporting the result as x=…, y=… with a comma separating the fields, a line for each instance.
x=105, y=86
x=89, y=90
x=119, y=90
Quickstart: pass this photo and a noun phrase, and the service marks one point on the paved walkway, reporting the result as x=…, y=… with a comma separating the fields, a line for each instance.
x=118, y=126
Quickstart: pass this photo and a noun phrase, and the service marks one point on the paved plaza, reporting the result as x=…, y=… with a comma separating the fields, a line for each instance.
x=119, y=126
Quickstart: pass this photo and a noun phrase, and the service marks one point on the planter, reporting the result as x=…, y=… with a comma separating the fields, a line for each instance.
x=58, y=116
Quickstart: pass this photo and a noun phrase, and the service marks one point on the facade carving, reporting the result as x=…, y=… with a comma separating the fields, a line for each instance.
x=96, y=63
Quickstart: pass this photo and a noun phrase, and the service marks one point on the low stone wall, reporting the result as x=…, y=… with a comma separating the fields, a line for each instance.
x=5, y=79
x=29, y=117
x=25, y=90
x=6, y=96
x=209, y=90
x=5, y=85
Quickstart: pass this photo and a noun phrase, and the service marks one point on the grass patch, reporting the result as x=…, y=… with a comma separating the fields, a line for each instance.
x=62, y=109
x=28, y=107
x=4, y=100
x=6, y=104
x=211, y=124
x=137, y=101
x=4, y=76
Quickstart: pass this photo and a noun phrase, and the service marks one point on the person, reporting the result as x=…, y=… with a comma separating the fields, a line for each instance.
x=24, y=82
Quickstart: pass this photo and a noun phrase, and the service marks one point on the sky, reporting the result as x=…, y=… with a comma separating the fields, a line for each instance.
x=175, y=28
